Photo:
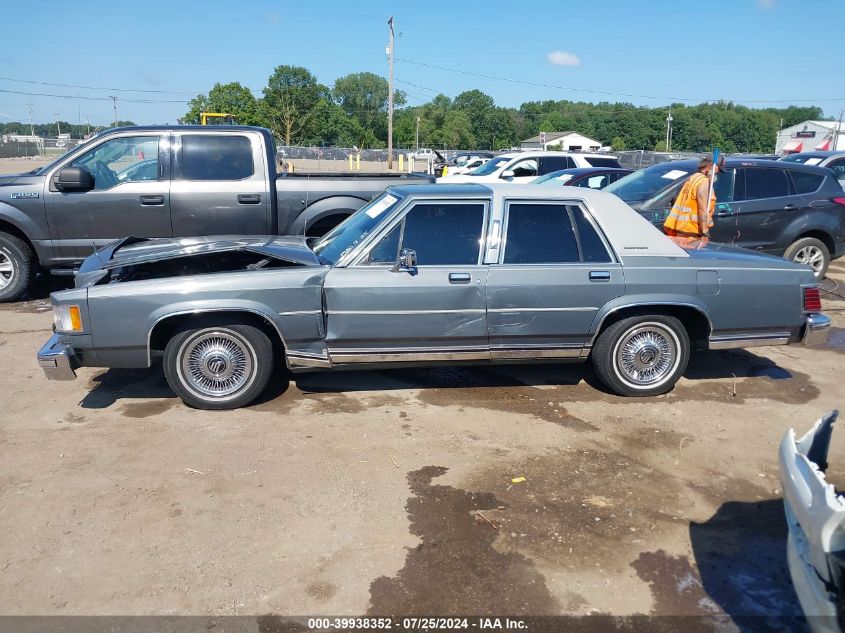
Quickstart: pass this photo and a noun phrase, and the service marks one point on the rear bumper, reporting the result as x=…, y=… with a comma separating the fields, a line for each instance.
x=57, y=359
x=815, y=331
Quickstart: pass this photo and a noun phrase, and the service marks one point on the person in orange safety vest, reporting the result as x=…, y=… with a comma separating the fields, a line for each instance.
x=691, y=215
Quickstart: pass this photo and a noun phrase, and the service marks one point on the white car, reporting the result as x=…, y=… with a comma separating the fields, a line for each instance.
x=523, y=167
x=424, y=153
x=472, y=163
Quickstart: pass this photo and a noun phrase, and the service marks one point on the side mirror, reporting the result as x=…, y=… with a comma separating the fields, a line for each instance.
x=507, y=174
x=406, y=263
x=74, y=179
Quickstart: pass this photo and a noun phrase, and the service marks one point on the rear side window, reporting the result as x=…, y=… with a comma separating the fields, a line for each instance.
x=592, y=248
x=540, y=234
x=600, y=161
x=214, y=157
x=838, y=168
x=806, y=182
x=765, y=183
x=548, y=164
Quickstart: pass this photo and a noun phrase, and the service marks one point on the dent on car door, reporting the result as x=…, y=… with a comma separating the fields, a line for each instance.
x=378, y=311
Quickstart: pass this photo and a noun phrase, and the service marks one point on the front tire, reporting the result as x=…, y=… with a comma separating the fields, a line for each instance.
x=642, y=355
x=17, y=267
x=809, y=250
x=218, y=366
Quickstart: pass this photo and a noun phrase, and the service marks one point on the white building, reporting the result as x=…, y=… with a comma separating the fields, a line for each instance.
x=567, y=141
x=809, y=136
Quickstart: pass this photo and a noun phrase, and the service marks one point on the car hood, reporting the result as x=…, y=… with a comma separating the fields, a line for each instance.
x=8, y=179
x=131, y=251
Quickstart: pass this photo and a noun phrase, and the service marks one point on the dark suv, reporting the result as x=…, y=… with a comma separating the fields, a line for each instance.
x=787, y=209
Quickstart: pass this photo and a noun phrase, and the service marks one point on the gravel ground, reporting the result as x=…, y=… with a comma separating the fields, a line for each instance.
x=391, y=492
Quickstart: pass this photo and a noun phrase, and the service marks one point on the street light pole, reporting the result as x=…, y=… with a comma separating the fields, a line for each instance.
x=114, y=107
x=418, y=133
x=390, y=97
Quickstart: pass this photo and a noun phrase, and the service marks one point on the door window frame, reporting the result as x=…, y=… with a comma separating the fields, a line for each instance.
x=503, y=239
x=790, y=190
x=176, y=149
x=359, y=257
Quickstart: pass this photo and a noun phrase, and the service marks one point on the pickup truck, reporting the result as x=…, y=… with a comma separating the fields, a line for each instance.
x=165, y=181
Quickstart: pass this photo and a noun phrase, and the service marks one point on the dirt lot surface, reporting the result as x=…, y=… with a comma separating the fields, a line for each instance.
x=392, y=492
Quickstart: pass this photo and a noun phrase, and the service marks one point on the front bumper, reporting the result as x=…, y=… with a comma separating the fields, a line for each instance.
x=57, y=359
x=815, y=332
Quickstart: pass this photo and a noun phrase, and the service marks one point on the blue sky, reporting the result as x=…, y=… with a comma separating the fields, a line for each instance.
x=614, y=50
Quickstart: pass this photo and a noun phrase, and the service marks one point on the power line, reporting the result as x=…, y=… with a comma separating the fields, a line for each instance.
x=47, y=83
x=44, y=94
x=614, y=94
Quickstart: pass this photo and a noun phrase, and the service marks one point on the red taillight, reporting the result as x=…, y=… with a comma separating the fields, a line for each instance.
x=812, y=300
x=839, y=201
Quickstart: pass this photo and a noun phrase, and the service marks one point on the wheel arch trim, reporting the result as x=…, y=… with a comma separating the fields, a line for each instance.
x=603, y=314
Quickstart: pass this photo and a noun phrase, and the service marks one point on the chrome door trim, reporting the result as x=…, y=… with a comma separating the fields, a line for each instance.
x=306, y=359
x=406, y=356
x=748, y=339
x=373, y=312
x=574, y=309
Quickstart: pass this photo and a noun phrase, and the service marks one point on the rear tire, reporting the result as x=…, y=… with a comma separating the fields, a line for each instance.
x=17, y=267
x=642, y=355
x=809, y=250
x=218, y=366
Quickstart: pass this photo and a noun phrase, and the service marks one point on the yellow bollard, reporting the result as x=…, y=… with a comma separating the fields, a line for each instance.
x=350, y=162
x=445, y=169
x=401, y=157
x=290, y=167
x=358, y=162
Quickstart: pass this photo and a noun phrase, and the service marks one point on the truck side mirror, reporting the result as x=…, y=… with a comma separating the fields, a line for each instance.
x=406, y=263
x=507, y=174
x=74, y=179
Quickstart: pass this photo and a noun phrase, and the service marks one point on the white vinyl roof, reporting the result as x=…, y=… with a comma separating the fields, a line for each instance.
x=630, y=234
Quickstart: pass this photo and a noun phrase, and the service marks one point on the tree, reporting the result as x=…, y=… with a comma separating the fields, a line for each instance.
x=456, y=131
x=290, y=98
x=364, y=97
x=232, y=98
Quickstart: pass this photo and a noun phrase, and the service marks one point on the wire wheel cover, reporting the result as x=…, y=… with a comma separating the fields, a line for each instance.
x=217, y=364
x=646, y=355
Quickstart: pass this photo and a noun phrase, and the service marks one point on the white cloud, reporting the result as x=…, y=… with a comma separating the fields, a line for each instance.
x=562, y=58
x=766, y=4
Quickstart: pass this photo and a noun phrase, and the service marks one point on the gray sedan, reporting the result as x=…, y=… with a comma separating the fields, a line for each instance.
x=430, y=274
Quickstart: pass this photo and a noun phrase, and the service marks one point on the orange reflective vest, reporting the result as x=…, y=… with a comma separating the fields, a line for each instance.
x=683, y=217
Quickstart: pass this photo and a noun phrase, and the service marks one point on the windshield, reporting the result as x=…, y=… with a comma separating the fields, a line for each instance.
x=345, y=236
x=806, y=159
x=643, y=184
x=490, y=166
x=554, y=178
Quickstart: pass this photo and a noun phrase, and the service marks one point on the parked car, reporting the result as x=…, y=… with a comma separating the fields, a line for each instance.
x=815, y=517
x=208, y=180
x=466, y=161
x=429, y=274
x=424, y=153
x=591, y=177
x=788, y=209
x=835, y=161
x=523, y=167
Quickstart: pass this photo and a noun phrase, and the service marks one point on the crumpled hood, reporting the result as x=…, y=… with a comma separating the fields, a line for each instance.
x=137, y=250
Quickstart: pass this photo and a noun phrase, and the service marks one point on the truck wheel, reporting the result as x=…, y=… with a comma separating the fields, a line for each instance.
x=17, y=267
x=809, y=250
x=218, y=366
x=642, y=355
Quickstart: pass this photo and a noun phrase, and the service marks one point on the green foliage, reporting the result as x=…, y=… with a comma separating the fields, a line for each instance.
x=298, y=109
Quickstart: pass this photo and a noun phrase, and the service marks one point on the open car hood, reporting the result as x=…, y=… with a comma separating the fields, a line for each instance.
x=137, y=250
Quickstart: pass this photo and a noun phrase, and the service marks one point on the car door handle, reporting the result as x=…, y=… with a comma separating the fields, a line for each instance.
x=249, y=198
x=599, y=275
x=790, y=207
x=152, y=201
x=459, y=278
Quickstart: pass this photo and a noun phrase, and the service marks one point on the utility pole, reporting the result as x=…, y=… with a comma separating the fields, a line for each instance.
x=418, y=133
x=838, y=132
x=114, y=107
x=31, y=124
x=390, y=98
x=58, y=128
x=669, y=130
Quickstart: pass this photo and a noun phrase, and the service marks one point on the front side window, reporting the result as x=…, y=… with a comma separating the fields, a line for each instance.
x=540, y=234
x=525, y=168
x=214, y=157
x=124, y=159
x=764, y=183
x=440, y=234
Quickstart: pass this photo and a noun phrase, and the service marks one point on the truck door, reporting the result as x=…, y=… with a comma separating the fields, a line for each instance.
x=220, y=184
x=131, y=195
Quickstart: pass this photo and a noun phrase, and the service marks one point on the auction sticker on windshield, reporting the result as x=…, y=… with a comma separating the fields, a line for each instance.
x=381, y=206
x=674, y=174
